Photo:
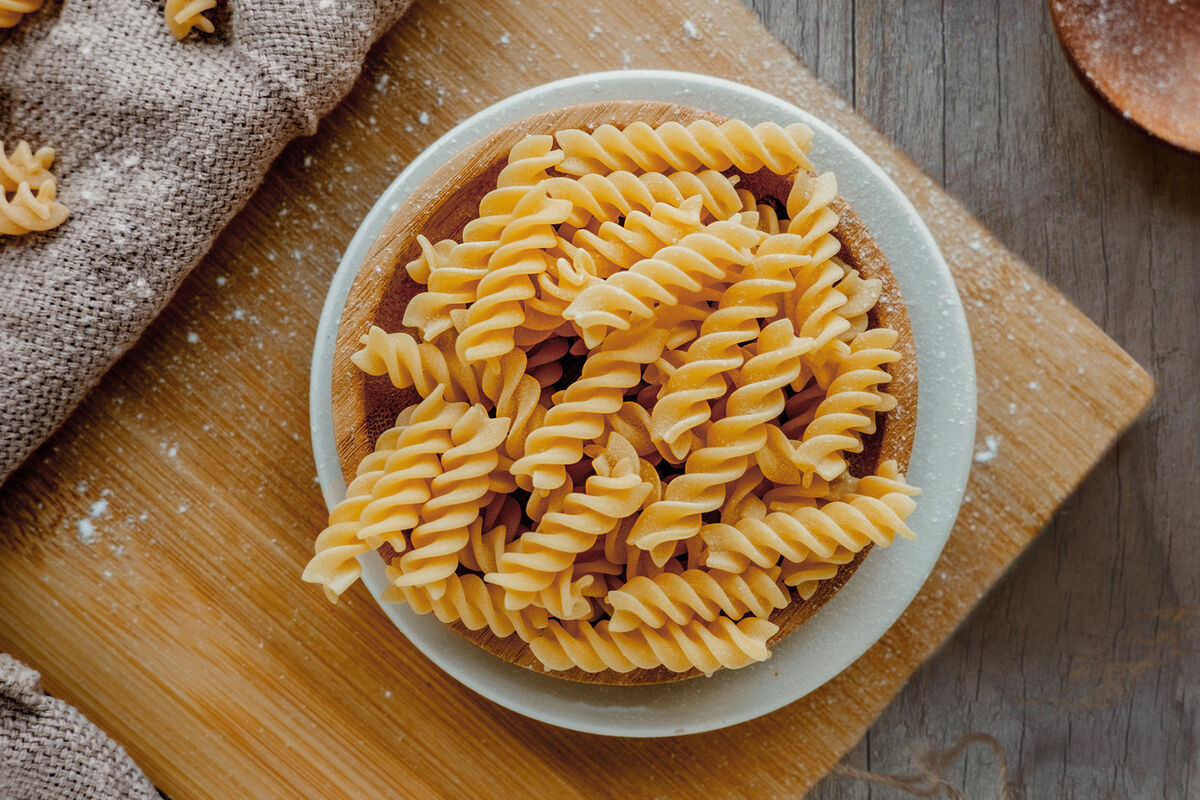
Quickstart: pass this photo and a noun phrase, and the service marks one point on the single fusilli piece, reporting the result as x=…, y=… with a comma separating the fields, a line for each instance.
x=613, y=247
x=815, y=302
x=695, y=593
x=751, y=298
x=333, y=565
x=421, y=365
x=457, y=494
x=614, y=492
x=402, y=489
x=27, y=212
x=706, y=646
x=474, y=603
x=22, y=165
x=699, y=145
x=698, y=258
x=580, y=415
x=498, y=310
x=606, y=198
x=849, y=408
x=731, y=441
x=875, y=514
x=11, y=11
x=184, y=15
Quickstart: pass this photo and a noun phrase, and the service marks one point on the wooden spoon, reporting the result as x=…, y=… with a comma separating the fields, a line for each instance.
x=1141, y=58
x=365, y=406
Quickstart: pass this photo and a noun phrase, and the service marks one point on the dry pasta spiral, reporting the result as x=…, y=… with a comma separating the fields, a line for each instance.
x=706, y=646
x=695, y=593
x=697, y=258
x=849, y=408
x=27, y=212
x=642, y=235
x=874, y=515
x=498, y=310
x=456, y=498
x=421, y=365
x=338, y=545
x=184, y=15
x=580, y=415
x=701, y=378
x=467, y=599
x=403, y=486
x=614, y=492
x=699, y=145
x=11, y=11
x=605, y=198
x=730, y=443
x=23, y=165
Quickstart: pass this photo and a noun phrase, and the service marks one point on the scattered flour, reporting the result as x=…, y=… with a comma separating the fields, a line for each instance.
x=505, y=38
x=98, y=508
x=222, y=280
x=87, y=531
x=423, y=118
x=193, y=337
x=991, y=449
x=690, y=30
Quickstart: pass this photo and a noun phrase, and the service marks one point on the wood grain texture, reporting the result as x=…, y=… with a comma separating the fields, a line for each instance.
x=1082, y=659
x=150, y=552
x=365, y=406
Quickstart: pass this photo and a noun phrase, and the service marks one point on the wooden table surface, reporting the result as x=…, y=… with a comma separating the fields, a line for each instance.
x=1083, y=660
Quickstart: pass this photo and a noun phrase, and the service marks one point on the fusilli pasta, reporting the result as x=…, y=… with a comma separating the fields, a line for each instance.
x=184, y=15
x=12, y=11
x=640, y=386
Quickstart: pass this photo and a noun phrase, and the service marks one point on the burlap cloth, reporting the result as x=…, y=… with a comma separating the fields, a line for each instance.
x=48, y=750
x=159, y=144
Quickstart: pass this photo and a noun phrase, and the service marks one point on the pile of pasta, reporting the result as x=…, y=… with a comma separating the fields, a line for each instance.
x=28, y=191
x=640, y=385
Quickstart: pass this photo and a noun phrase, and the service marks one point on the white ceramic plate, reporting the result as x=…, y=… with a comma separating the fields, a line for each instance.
x=884, y=584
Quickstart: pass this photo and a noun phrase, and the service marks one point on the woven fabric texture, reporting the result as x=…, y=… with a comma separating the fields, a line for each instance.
x=49, y=750
x=160, y=142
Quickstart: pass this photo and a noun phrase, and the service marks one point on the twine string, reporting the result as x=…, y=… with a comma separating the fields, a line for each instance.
x=930, y=780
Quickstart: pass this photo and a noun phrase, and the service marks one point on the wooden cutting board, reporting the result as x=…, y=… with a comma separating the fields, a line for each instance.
x=150, y=553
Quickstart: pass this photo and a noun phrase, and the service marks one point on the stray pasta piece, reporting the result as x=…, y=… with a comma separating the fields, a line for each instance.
x=12, y=11
x=184, y=15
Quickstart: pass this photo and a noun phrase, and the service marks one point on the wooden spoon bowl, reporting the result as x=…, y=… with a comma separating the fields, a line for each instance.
x=366, y=406
x=1141, y=58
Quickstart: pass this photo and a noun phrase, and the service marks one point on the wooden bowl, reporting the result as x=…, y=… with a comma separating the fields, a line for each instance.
x=364, y=406
x=1141, y=58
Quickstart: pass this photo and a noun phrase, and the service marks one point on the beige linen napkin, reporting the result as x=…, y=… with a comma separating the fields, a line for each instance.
x=48, y=750
x=159, y=144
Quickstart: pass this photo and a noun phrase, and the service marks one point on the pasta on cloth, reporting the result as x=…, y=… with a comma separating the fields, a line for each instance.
x=144, y=207
x=640, y=385
x=22, y=173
